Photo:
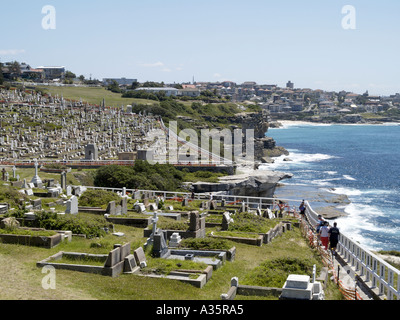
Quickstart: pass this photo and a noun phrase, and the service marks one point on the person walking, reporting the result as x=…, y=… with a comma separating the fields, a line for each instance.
x=333, y=237
x=320, y=223
x=302, y=209
x=324, y=235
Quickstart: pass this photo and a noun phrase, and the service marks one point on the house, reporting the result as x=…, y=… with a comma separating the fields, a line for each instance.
x=169, y=91
x=53, y=73
x=189, y=92
x=120, y=81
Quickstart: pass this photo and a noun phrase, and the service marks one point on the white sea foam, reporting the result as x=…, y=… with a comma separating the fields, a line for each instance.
x=347, y=177
x=346, y=191
x=331, y=172
x=358, y=220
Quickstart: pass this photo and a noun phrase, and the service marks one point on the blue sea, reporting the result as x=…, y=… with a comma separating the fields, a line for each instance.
x=360, y=161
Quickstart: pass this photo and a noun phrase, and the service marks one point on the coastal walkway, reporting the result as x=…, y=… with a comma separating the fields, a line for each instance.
x=340, y=272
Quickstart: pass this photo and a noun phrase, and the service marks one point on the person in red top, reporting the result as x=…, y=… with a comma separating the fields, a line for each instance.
x=324, y=235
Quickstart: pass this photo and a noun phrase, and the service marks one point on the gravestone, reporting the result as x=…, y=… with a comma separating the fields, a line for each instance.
x=194, y=223
x=175, y=240
x=129, y=263
x=69, y=191
x=160, y=249
x=111, y=208
x=226, y=220
x=140, y=257
x=63, y=180
x=36, y=179
x=213, y=205
x=139, y=207
x=72, y=205
x=124, y=205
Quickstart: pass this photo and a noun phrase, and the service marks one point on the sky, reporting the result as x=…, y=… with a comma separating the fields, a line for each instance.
x=308, y=42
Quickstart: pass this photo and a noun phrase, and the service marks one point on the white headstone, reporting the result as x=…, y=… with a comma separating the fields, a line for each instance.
x=72, y=205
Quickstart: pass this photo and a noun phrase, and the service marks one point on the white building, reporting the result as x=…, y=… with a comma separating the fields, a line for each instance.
x=168, y=90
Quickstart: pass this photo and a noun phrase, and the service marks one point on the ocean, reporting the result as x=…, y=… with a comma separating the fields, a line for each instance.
x=360, y=161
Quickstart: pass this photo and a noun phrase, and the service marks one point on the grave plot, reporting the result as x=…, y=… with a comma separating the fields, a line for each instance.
x=272, y=278
x=11, y=233
x=177, y=264
x=158, y=241
x=249, y=228
x=296, y=287
x=117, y=261
x=195, y=227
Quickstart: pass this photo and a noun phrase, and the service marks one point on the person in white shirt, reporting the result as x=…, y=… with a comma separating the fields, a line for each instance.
x=324, y=235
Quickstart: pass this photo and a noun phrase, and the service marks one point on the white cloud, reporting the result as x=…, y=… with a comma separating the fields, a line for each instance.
x=217, y=75
x=11, y=52
x=166, y=69
x=152, y=65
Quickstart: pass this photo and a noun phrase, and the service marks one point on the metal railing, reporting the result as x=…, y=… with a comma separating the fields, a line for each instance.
x=380, y=276
x=376, y=273
x=252, y=202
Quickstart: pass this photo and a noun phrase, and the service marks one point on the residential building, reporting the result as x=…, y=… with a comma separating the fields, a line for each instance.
x=120, y=81
x=189, y=92
x=169, y=91
x=53, y=73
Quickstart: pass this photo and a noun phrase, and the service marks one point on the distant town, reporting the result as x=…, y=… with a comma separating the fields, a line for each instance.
x=289, y=102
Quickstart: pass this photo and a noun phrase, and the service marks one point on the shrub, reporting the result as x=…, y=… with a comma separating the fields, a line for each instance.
x=90, y=226
x=248, y=222
x=141, y=176
x=97, y=198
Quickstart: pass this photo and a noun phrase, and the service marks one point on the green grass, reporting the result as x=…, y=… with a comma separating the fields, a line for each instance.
x=26, y=232
x=93, y=95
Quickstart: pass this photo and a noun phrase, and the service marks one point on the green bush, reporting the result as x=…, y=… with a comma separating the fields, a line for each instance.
x=248, y=222
x=140, y=176
x=98, y=198
x=92, y=226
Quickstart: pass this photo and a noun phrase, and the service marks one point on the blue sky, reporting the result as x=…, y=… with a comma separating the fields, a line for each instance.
x=265, y=41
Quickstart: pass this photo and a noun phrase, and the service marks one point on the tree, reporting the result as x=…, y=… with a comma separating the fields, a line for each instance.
x=141, y=176
x=135, y=85
x=70, y=75
x=82, y=78
x=114, y=87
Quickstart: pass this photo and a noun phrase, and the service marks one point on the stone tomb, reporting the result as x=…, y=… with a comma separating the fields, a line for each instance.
x=299, y=287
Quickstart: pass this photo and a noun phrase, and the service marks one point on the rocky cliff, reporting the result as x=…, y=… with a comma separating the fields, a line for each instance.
x=264, y=147
x=261, y=183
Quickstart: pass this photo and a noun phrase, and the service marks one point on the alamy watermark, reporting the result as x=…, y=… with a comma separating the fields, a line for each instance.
x=186, y=147
x=49, y=280
x=349, y=20
x=49, y=20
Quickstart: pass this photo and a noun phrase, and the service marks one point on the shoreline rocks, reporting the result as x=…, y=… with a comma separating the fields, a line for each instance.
x=259, y=183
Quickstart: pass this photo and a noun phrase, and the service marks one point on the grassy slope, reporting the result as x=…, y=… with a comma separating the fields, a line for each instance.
x=93, y=95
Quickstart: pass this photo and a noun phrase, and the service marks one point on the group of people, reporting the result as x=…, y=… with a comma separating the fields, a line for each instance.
x=329, y=235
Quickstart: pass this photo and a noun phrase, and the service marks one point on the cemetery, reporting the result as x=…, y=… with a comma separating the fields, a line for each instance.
x=170, y=244
x=139, y=238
